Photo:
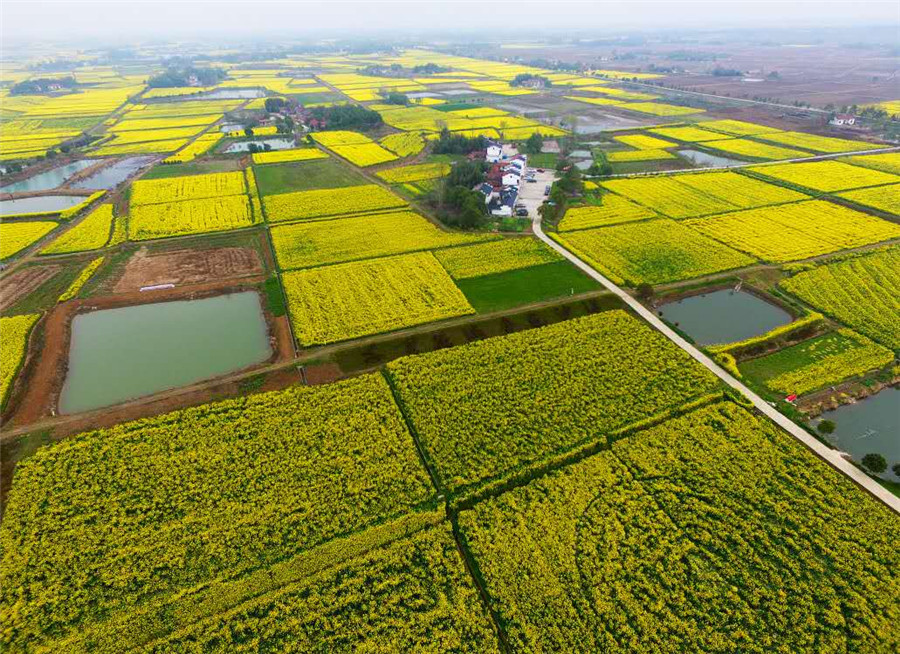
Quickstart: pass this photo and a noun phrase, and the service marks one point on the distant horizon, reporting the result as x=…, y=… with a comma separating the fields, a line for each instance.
x=58, y=21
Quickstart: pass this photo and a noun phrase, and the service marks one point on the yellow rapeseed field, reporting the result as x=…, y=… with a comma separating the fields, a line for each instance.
x=816, y=143
x=644, y=142
x=737, y=127
x=639, y=155
x=189, y=217
x=698, y=194
x=885, y=198
x=414, y=173
x=308, y=244
x=889, y=162
x=363, y=154
x=16, y=236
x=349, y=300
x=652, y=251
x=190, y=187
x=91, y=233
x=827, y=175
x=330, y=202
x=755, y=149
x=404, y=145
x=795, y=231
x=15, y=332
x=686, y=134
x=495, y=257
x=613, y=210
x=282, y=156
x=660, y=109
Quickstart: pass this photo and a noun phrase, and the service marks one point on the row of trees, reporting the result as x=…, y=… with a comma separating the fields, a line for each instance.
x=454, y=200
x=175, y=76
x=43, y=85
x=347, y=116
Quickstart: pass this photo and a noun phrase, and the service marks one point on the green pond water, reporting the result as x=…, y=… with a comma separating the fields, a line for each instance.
x=120, y=354
x=724, y=316
x=38, y=204
x=49, y=179
x=870, y=426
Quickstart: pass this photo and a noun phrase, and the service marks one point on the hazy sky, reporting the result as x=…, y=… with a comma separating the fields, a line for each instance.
x=123, y=19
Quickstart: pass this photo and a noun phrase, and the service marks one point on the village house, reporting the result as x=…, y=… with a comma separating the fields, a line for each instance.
x=842, y=119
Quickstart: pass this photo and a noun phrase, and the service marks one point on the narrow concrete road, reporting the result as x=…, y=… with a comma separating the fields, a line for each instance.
x=824, y=452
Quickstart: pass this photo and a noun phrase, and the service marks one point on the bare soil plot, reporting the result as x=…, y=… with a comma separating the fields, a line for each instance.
x=185, y=267
x=22, y=282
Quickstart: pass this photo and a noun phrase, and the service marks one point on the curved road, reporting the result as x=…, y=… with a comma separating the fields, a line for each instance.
x=824, y=452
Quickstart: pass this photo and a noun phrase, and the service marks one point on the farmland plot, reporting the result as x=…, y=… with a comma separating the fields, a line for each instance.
x=674, y=540
x=795, y=231
x=349, y=300
x=614, y=209
x=320, y=203
x=303, y=245
x=818, y=362
x=132, y=516
x=409, y=595
x=827, y=176
x=16, y=236
x=652, y=251
x=189, y=217
x=487, y=410
x=862, y=291
x=192, y=187
x=685, y=196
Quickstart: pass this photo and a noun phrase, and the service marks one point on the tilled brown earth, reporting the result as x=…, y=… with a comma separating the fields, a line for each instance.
x=187, y=267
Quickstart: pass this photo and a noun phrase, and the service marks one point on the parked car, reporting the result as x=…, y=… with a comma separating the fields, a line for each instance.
x=521, y=212
x=547, y=190
x=540, y=170
x=531, y=180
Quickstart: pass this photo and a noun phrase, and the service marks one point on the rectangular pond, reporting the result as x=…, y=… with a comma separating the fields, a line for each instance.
x=870, y=426
x=700, y=158
x=39, y=204
x=274, y=144
x=723, y=316
x=49, y=179
x=231, y=94
x=111, y=176
x=120, y=354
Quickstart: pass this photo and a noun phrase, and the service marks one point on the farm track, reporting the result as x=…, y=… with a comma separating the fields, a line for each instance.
x=831, y=457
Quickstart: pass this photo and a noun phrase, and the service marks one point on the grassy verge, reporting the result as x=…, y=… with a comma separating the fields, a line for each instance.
x=524, y=286
x=191, y=168
x=274, y=297
x=304, y=176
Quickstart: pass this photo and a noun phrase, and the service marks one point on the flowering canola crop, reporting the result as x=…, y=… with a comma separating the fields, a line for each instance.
x=349, y=300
